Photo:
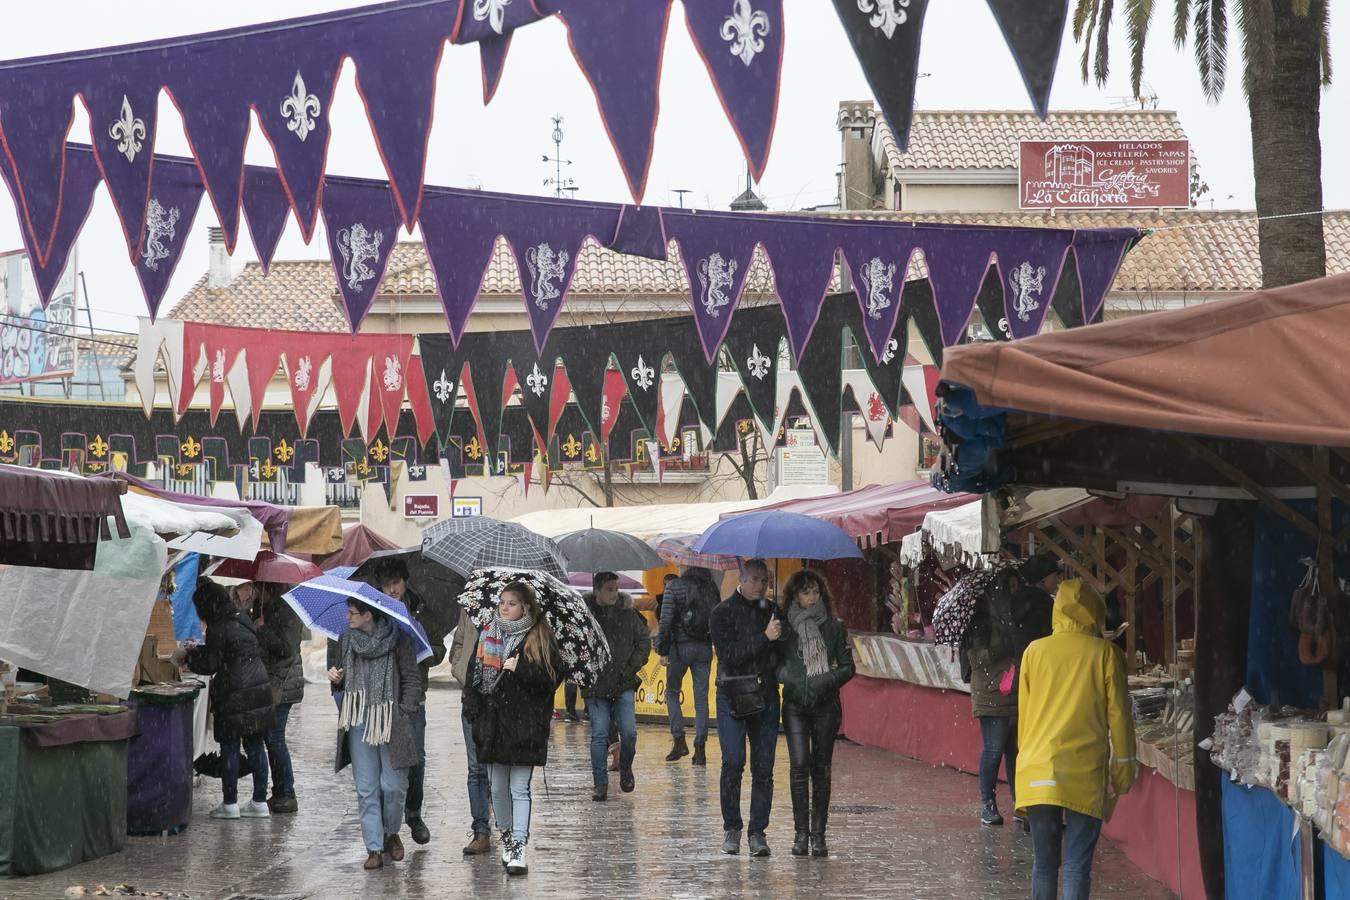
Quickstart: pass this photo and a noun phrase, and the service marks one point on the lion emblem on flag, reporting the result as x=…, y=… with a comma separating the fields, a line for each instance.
x=878, y=279
x=546, y=266
x=360, y=247
x=715, y=276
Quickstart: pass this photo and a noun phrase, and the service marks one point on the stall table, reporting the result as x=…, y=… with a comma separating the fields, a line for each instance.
x=63, y=790
x=159, y=759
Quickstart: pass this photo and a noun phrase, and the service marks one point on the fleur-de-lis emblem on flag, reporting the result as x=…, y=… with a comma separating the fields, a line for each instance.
x=643, y=374
x=284, y=451
x=189, y=447
x=128, y=131
x=443, y=387
x=537, y=381
x=491, y=11
x=572, y=447
x=363, y=469
x=379, y=451
x=99, y=448
x=593, y=453
x=416, y=470
x=885, y=14
x=744, y=28
x=672, y=446
x=6, y=442
x=474, y=449
x=183, y=470
x=757, y=364
x=300, y=108
x=743, y=426
x=269, y=471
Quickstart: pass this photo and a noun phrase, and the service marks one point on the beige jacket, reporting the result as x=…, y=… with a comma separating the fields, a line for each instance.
x=462, y=649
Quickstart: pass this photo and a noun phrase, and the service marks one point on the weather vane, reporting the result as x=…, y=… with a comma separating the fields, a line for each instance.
x=560, y=185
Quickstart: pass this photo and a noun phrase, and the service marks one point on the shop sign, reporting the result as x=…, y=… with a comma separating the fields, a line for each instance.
x=1105, y=174
x=466, y=507
x=421, y=506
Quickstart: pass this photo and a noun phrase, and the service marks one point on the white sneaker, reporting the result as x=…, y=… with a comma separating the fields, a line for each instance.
x=506, y=847
x=516, y=864
x=226, y=811
x=255, y=810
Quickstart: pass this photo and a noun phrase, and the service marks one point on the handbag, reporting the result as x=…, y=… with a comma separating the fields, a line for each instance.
x=745, y=693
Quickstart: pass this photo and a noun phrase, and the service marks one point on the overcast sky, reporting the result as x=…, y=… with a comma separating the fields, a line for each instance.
x=499, y=147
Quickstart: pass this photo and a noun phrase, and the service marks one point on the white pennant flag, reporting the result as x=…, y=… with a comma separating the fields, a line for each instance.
x=166, y=335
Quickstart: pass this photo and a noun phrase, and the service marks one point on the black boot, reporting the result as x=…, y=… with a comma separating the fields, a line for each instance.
x=820, y=809
x=677, y=749
x=799, y=844
x=700, y=753
x=801, y=815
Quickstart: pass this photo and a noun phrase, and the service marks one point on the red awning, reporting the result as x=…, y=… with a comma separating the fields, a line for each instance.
x=878, y=513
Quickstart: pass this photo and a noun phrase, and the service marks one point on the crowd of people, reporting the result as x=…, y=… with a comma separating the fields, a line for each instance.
x=1047, y=689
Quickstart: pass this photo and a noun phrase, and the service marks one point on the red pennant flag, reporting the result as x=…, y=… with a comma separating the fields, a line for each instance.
x=557, y=401
x=391, y=377
x=612, y=396
x=263, y=357
x=303, y=370
x=419, y=401
x=374, y=414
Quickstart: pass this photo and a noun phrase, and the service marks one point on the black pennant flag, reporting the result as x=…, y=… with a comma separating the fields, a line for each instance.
x=885, y=35
x=1034, y=30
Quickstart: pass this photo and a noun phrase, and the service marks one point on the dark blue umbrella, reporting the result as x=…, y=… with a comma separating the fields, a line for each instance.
x=321, y=603
x=776, y=534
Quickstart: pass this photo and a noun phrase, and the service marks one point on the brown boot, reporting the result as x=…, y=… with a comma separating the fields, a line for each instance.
x=374, y=861
x=394, y=847
x=480, y=844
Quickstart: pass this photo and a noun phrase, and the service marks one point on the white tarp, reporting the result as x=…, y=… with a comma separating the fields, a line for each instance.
x=647, y=522
x=964, y=533
x=84, y=627
x=956, y=533
x=164, y=517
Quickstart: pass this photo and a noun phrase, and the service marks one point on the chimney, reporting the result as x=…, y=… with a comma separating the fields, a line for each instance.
x=218, y=267
x=858, y=178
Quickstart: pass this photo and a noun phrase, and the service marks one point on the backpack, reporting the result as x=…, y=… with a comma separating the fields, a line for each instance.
x=695, y=611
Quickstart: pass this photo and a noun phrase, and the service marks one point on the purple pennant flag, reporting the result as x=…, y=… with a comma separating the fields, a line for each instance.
x=216, y=119
x=1029, y=265
x=77, y=198
x=545, y=237
x=619, y=45
x=492, y=59
x=459, y=242
x=802, y=257
x=175, y=195
x=122, y=102
x=1099, y=253
x=878, y=259
x=35, y=117
x=716, y=251
x=957, y=260
x=266, y=209
x=482, y=20
x=397, y=55
x=885, y=35
x=293, y=75
x=641, y=232
x=361, y=222
x=741, y=43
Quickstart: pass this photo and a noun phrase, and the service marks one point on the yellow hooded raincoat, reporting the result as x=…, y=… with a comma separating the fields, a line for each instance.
x=1075, y=732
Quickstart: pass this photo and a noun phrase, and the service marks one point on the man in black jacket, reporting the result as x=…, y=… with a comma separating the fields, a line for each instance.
x=391, y=577
x=746, y=632
x=611, y=697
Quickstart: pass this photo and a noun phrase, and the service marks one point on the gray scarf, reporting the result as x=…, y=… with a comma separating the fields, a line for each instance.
x=368, y=680
x=506, y=634
x=806, y=622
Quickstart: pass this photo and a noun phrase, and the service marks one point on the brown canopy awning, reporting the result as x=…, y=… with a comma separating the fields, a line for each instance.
x=1269, y=366
x=40, y=506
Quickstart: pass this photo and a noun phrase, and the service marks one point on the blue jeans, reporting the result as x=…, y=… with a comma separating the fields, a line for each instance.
x=1058, y=833
x=623, y=712
x=480, y=790
x=380, y=789
x=257, y=757
x=418, y=773
x=1000, y=744
x=279, y=755
x=511, y=799
x=732, y=733
x=696, y=659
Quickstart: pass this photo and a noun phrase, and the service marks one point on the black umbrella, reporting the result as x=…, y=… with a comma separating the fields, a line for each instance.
x=436, y=585
x=598, y=550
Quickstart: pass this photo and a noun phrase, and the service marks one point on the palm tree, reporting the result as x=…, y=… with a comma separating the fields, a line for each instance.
x=1286, y=62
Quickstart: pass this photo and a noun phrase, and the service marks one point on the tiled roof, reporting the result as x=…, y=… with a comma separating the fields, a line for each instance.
x=988, y=139
x=1196, y=251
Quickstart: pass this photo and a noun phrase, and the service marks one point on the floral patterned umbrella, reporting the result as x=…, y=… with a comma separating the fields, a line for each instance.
x=956, y=608
x=580, y=640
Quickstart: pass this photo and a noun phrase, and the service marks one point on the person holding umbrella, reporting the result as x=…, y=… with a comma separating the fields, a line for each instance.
x=516, y=672
x=611, y=697
x=381, y=687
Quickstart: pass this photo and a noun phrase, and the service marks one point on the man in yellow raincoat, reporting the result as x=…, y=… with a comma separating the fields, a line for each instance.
x=1076, y=740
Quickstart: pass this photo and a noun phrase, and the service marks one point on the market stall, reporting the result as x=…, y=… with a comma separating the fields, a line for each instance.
x=1173, y=406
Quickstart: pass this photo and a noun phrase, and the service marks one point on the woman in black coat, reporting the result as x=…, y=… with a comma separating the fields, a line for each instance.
x=241, y=696
x=514, y=677
x=817, y=662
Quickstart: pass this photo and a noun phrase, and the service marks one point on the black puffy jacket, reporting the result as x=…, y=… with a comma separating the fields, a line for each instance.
x=241, y=691
x=511, y=725
x=279, y=638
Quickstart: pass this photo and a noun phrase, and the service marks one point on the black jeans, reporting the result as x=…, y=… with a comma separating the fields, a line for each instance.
x=811, y=731
x=999, y=734
x=417, y=773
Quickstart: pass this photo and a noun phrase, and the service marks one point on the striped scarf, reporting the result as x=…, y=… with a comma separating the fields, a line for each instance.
x=500, y=639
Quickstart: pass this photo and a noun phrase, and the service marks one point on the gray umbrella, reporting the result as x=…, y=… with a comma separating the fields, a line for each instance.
x=478, y=542
x=598, y=550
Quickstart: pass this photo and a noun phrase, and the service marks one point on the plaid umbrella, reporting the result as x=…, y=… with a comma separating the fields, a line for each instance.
x=478, y=542
x=956, y=608
x=580, y=640
x=677, y=549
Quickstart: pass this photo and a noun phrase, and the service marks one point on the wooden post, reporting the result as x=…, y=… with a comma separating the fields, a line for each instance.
x=1170, y=594
x=1326, y=555
x=1128, y=582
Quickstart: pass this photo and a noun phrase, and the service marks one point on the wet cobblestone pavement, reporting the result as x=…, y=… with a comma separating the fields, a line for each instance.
x=899, y=828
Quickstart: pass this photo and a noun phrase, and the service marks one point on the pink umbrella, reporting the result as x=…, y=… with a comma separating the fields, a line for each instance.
x=268, y=566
